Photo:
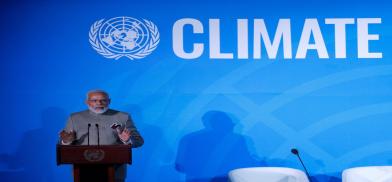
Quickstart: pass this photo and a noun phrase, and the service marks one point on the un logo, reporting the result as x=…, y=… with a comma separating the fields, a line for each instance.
x=124, y=37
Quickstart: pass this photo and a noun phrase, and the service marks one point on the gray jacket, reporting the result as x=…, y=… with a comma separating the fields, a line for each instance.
x=79, y=121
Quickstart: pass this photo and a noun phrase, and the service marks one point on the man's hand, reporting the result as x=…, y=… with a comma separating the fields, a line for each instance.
x=125, y=135
x=67, y=137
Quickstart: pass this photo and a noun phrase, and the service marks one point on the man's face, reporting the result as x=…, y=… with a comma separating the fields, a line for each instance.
x=98, y=102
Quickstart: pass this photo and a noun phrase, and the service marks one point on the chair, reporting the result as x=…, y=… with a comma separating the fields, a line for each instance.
x=368, y=174
x=267, y=174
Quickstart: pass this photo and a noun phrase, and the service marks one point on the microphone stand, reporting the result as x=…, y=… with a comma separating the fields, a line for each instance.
x=295, y=152
x=88, y=134
x=97, y=132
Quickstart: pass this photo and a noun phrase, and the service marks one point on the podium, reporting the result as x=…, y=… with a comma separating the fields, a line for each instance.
x=93, y=162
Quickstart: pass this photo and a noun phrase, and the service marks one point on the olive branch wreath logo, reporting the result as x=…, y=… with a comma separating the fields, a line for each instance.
x=148, y=49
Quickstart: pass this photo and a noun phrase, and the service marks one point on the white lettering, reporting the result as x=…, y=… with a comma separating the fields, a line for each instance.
x=242, y=39
x=311, y=27
x=311, y=38
x=215, y=52
x=283, y=30
x=178, y=38
x=364, y=37
x=340, y=34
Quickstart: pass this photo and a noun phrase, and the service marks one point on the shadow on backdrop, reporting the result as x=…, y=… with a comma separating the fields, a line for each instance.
x=35, y=156
x=149, y=161
x=209, y=154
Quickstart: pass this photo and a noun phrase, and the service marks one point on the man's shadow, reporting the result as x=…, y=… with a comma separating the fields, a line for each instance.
x=35, y=156
x=148, y=160
x=209, y=154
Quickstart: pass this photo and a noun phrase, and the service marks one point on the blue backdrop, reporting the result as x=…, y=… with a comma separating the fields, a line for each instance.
x=200, y=117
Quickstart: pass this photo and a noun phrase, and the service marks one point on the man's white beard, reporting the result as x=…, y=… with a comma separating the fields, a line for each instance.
x=98, y=111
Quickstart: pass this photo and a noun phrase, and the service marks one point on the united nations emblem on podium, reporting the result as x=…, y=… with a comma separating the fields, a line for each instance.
x=124, y=37
x=94, y=155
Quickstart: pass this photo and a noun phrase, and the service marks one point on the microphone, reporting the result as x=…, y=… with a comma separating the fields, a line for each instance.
x=97, y=132
x=295, y=152
x=116, y=127
x=88, y=134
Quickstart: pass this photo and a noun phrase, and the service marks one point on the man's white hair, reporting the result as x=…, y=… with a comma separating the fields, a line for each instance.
x=97, y=91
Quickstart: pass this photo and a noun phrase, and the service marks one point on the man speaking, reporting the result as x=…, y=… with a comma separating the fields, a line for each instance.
x=100, y=125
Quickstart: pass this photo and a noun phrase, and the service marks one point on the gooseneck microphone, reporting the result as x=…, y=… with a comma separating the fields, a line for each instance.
x=97, y=132
x=88, y=134
x=295, y=152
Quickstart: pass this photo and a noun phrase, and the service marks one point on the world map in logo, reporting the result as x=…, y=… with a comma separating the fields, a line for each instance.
x=124, y=37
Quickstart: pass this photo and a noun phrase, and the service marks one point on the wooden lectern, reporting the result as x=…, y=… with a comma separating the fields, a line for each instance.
x=93, y=162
